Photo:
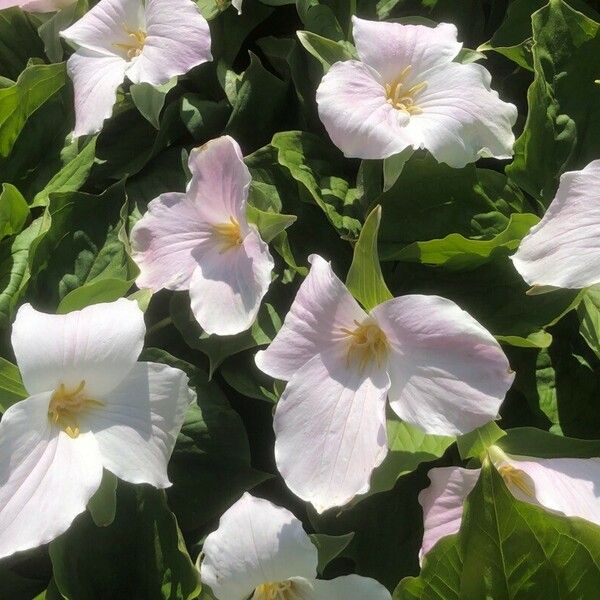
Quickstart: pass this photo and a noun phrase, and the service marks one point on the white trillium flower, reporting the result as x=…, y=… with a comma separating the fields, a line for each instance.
x=563, y=249
x=406, y=92
x=566, y=486
x=91, y=407
x=441, y=370
x=147, y=42
x=260, y=551
x=201, y=241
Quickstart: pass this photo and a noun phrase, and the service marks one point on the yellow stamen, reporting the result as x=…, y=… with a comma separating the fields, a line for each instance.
x=229, y=235
x=367, y=343
x=281, y=590
x=65, y=406
x=514, y=477
x=402, y=97
x=135, y=45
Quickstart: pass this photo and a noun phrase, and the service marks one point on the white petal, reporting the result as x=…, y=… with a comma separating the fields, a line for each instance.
x=98, y=345
x=37, y=6
x=563, y=249
x=46, y=477
x=390, y=47
x=137, y=427
x=237, y=4
x=162, y=242
x=350, y=587
x=178, y=39
x=463, y=119
x=323, y=307
x=330, y=429
x=220, y=181
x=256, y=542
x=95, y=81
x=442, y=503
x=106, y=25
x=359, y=120
x=228, y=285
x=448, y=373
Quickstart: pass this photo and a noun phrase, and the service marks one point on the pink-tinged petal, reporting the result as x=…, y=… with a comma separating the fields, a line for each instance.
x=95, y=81
x=138, y=423
x=37, y=6
x=237, y=4
x=563, y=249
x=178, y=39
x=220, y=181
x=391, y=47
x=98, y=345
x=350, y=587
x=330, y=429
x=322, y=310
x=46, y=477
x=107, y=27
x=442, y=503
x=354, y=109
x=228, y=285
x=449, y=375
x=462, y=118
x=256, y=542
x=163, y=240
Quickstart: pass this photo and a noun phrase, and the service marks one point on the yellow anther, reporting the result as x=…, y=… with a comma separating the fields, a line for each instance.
x=402, y=97
x=281, y=590
x=135, y=45
x=516, y=478
x=229, y=235
x=367, y=343
x=65, y=406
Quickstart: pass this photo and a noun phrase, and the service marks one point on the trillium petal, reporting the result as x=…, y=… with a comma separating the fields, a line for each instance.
x=106, y=26
x=323, y=307
x=237, y=4
x=139, y=421
x=98, y=345
x=354, y=109
x=390, y=47
x=350, y=587
x=463, y=119
x=37, y=6
x=563, y=249
x=220, y=181
x=442, y=503
x=330, y=429
x=162, y=242
x=448, y=373
x=178, y=39
x=46, y=478
x=95, y=81
x=228, y=286
x=256, y=542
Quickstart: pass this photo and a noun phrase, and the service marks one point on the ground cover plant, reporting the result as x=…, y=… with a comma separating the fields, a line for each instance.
x=299, y=299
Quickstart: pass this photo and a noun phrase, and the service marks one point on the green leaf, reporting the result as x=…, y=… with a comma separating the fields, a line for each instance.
x=19, y=42
x=475, y=443
x=530, y=441
x=150, y=99
x=102, y=506
x=320, y=19
x=455, y=252
x=204, y=119
x=329, y=547
x=13, y=211
x=365, y=279
x=589, y=316
x=393, y=167
x=326, y=51
x=269, y=224
x=103, y=290
x=35, y=85
x=49, y=31
x=11, y=385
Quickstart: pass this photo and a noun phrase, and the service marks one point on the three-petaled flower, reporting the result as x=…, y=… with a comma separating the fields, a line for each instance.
x=261, y=551
x=91, y=407
x=147, y=42
x=442, y=371
x=406, y=92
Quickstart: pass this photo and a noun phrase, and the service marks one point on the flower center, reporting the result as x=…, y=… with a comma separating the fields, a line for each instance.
x=65, y=406
x=134, y=46
x=514, y=477
x=402, y=96
x=281, y=590
x=367, y=344
x=228, y=235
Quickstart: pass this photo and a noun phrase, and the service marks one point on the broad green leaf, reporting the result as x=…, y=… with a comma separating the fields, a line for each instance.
x=15, y=585
x=326, y=51
x=102, y=506
x=269, y=224
x=320, y=19
x=204, y=119
x=35, y=85
x=365, y=279
x=329, y=547
x=49, y=30
x=102, y=290
x=13, y=211
x=19, y=42
x=150, y=99
x=11, y=385
x=530, y=441
x=455, y=252
x=393, y=167
x=589, y=316
x=475, y=443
